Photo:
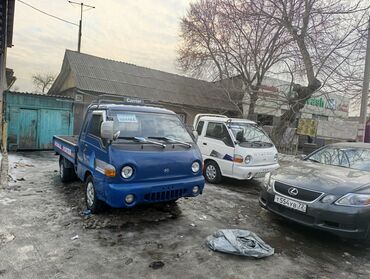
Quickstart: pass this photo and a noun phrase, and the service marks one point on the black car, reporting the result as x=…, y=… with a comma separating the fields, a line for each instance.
x=329, y=190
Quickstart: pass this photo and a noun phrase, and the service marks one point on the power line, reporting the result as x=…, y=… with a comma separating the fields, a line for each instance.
x=53, y=16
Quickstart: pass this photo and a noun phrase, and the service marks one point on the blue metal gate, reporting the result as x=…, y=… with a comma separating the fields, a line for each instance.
x=33, y=119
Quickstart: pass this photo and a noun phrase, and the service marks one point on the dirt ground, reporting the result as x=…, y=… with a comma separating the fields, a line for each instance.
x=44, y=234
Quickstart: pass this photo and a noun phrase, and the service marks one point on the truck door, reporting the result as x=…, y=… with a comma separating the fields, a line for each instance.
x=93, y=148
x=218, y=145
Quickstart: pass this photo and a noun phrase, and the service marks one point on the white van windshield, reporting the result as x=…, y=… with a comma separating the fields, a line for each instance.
x=247, y=133
x=149, y=125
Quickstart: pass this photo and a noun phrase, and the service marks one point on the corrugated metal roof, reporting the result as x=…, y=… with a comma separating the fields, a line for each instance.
x=40, y=95
x=95, y=74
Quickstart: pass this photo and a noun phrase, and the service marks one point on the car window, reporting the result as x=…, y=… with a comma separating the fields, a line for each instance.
x=359, y=158
x=219, y=131
x=331, y=156
x=200, y=127
x=94, y=125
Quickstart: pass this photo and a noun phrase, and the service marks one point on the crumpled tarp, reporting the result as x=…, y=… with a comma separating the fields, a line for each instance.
x=239, y=242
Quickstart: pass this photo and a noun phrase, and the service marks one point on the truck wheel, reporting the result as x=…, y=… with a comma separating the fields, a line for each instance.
x=212, y=172
x=66, y=174
x=92, y=202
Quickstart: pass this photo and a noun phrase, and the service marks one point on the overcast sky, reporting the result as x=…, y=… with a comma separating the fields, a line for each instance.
x=142, y=32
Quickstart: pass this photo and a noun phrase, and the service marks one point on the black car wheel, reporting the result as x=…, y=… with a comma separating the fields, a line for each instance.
x=92, y=203
x=66, y=173
x=212, y=172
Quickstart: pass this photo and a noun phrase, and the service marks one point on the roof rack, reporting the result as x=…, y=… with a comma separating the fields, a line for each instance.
x=122, y=100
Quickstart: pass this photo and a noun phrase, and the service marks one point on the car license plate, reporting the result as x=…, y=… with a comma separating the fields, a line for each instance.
x=290, y=203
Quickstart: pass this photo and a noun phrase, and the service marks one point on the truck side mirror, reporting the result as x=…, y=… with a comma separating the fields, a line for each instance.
x=195, y=134
x=239, y=136
x=107, y=130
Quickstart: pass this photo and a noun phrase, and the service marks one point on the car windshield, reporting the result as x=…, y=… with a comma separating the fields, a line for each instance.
x=250, y=133
x=348, y=157
x=149, y=125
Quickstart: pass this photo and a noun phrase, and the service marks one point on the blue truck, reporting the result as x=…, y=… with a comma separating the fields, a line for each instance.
x=129, y=153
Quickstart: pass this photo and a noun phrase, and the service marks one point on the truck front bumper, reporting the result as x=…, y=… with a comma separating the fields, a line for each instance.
x=248, y=172
x=151, y=192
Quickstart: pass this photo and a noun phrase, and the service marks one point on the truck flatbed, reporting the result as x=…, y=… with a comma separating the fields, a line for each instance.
x=66, y=146
x=72, y=140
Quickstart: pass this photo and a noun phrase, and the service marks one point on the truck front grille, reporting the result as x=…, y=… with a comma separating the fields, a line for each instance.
x=165, y=195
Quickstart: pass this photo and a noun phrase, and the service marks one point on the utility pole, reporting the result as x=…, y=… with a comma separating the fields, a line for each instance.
x=80, y=26
x=365, y=89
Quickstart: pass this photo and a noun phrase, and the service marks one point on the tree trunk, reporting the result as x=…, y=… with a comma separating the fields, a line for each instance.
x=252, y=106
x=295, y=106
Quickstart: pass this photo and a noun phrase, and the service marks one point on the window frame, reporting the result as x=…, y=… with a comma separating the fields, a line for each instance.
x=232, y=144
x=201, y=131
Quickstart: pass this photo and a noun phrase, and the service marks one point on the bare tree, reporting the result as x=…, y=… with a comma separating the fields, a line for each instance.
x=328, y=38
x=43, y=81
x=225, y=39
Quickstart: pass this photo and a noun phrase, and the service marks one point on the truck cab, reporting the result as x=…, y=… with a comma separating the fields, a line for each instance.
x=233, y=147
x=129, y=154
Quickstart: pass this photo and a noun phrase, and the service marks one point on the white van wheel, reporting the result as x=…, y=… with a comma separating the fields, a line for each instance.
x=212, y=172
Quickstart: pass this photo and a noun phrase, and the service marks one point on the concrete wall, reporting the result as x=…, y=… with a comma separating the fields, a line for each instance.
x=337, y=129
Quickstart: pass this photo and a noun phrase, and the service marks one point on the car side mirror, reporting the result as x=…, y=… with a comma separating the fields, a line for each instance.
x=107, y=130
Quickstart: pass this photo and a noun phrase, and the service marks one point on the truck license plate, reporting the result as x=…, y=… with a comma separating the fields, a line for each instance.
x=290, y=203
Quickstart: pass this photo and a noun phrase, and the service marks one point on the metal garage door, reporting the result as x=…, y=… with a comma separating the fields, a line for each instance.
x=33, y=119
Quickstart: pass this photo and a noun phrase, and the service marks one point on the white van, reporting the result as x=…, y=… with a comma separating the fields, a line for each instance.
x=233, y=147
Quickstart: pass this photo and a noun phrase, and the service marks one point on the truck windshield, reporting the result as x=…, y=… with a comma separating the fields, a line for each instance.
x=249, y=133
x=149, y=125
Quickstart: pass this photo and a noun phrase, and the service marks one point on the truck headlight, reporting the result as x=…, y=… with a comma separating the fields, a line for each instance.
x=248, y=159
x=195, y=167
x=357, y=200
x=127, y=172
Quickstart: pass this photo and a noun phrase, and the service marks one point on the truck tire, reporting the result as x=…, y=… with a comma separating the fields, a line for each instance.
x=66, y=173
x=92, y=203
x=212, y=172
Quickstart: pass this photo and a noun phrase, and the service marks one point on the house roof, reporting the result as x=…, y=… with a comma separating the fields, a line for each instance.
x=93, y=74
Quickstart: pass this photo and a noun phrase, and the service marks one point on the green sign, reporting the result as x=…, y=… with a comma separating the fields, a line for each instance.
x=317, y=102
x=322, y=103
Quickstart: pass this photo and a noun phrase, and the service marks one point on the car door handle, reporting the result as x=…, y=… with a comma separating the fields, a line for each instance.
x=204, y=143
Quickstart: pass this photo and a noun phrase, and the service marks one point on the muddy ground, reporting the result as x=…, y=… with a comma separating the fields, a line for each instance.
x=44, y=234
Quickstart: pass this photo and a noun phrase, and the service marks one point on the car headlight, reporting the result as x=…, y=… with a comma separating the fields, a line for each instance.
x=269, y=181
x=328, y=199
x=352, y=199
x=195, y=167
x=127, y=172
x=248, y=159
